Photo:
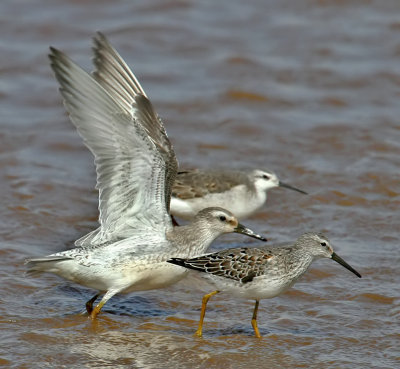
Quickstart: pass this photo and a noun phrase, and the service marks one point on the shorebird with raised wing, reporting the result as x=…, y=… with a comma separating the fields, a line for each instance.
x=136, y=167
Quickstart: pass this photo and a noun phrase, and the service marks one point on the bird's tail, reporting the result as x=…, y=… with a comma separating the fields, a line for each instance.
x=46, y=264
x=177, y=261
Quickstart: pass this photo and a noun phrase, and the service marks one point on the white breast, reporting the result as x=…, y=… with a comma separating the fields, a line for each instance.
x=238, y=200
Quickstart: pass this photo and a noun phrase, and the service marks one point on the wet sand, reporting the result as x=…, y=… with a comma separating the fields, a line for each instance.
x=309, y=89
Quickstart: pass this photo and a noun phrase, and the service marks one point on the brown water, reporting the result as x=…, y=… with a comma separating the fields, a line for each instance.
x=310, y=89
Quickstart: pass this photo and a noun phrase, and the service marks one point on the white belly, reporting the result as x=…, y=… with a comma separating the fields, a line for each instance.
x=155, y=276
x=137, y=276
x=237, y=201
x=260, y=288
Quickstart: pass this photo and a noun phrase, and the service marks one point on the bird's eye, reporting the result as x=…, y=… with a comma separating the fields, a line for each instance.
x=266, y=177
x=222, y=218
x=323, y=244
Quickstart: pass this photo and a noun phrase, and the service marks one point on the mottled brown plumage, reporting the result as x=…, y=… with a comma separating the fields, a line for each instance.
x=238, y=264
x=194, y=183
x=259, y=273
x=242, y=192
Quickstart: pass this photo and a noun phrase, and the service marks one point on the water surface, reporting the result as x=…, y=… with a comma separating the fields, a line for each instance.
x=309, y=89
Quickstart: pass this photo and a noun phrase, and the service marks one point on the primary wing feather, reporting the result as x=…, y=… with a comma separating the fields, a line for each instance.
x=114, y=75
x=131, y=167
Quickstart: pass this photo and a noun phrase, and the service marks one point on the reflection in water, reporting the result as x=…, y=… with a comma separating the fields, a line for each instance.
x=308, y=88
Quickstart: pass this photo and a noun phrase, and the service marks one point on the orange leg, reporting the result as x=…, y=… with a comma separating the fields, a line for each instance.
x=93, y=314
x=199, y=331
x=254, y=320
x=96, y=310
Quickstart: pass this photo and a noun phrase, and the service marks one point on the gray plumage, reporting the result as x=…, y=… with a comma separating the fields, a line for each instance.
x=262, y=272
x=135, y=166
x=242, y=192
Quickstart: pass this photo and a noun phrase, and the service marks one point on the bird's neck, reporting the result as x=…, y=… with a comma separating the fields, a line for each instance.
x=256, y=197
x=193, y=239
x=298, y=262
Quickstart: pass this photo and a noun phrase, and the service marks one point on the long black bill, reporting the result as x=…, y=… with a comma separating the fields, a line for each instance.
x=285, y=185
x=339, y=260
x=248, y=232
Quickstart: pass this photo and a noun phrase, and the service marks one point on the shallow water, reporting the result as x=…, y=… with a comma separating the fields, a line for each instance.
x=308, y=88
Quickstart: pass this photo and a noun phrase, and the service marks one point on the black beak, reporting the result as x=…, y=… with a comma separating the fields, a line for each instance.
x=282, y=184
x=248, y=232
x=339, y=260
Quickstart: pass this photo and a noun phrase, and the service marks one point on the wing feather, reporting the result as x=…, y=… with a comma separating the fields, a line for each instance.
x=114, y=75
x=242, y=264
x=131, y=166
x=194, y=183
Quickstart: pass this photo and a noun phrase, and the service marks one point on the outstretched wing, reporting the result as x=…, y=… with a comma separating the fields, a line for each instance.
x=114, y=75
x=132, y=165
x=238, y=264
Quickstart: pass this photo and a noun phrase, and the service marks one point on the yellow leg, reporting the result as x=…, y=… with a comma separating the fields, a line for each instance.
x=199, y=331
x=89, y=304
x=98, y=307
x=96, y=310
x=254, y=320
